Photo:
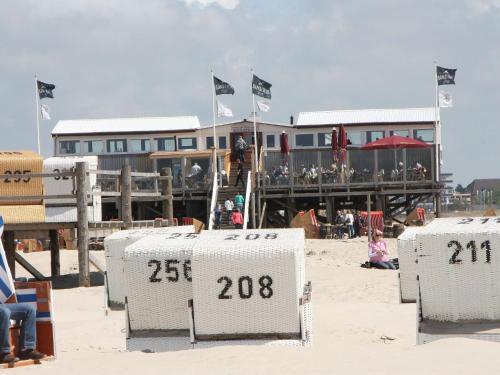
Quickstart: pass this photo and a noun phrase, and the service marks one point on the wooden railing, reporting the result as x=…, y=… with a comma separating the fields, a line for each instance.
x=313, y=167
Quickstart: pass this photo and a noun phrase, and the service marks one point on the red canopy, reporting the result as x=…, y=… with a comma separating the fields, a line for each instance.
x=284, y=146
x=342, y=143
x=342, y=137
x=335, y=145
x=394, y=141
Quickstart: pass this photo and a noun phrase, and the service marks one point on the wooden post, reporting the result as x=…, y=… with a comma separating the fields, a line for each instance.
x=166, y=190
x=330, y=213
x=10, y=251
x=252, y=197
x=126, y=194
x=438, y=204
x=55, y=266
x=369, y=217
x=82, y=169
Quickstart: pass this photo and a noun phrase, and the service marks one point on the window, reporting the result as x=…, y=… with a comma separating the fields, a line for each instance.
x=424, y=135
x=222, y=142
x=355, y=138
x=324, y=139
x=69, y=147
x=401, y=133
x=373, y=136
x=165, y=144
x=304, y=140
x=210, y=142
x=270, y=141
x=140, y=145
x=187, y=143
x=93, y=147
x=116, y=145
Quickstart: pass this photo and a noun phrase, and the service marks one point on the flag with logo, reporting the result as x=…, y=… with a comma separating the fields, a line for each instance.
x=445, y=99
x=223, y=110
x=261, y=88
x=45, y=89
x=445, y=76
x=6, y=283
x=222, y=87
x=264, y=105
x=45, y=111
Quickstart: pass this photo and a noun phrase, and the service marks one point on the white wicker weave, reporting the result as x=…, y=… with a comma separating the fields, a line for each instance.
x=462, y=287
x=158, y=281
x=248, y=282
x=114, y=246
x=407, y=256
x=65, y=185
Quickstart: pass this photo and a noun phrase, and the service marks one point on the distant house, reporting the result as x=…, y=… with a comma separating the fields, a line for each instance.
x=483, y=184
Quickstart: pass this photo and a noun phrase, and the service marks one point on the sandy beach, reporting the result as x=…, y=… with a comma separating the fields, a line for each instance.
x=354, y=309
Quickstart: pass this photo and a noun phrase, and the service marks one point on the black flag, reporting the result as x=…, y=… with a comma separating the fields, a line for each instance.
x=445, y=76
x=222, y=87
x=45, y=89
x=261, y=87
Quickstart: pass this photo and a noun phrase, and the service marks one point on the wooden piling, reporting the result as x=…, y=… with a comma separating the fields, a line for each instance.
x=10, y=251
x=166, y=192
x=126, y=194
x=55, y=265
x=82, y=169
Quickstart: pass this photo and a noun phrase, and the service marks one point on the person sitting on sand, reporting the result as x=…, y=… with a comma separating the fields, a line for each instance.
x=379, y=253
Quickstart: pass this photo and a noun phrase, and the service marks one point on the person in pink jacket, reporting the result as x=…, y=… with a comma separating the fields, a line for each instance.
x=379, y=253
x=237, y=219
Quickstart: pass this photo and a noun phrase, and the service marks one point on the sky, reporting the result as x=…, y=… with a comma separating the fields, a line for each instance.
x=131, y=58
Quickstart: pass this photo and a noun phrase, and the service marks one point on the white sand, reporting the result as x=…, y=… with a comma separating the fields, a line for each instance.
x=353, y=308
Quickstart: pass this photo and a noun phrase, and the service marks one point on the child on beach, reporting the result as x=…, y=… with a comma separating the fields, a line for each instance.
x=379, y=253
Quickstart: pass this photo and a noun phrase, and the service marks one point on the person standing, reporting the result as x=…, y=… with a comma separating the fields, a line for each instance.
x=217, y=215
x=239, y=200
x=357, y=225
x=229, y=208
x=339, y=221
x=240, y=148
x=349, y=221
x=239, y=174
x=237, y=219
x=378, y=253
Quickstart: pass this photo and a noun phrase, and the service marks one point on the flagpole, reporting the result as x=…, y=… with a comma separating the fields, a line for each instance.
x=437, y=123
x=213, y=107
x=213, y=118
x=254, y=127
x=37, y=115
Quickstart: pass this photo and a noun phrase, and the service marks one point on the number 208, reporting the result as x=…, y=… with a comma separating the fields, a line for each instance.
x=245, y=287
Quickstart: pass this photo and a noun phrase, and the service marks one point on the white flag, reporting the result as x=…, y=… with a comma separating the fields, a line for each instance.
x=264, y=105
x=223, y=111
x=45, y=110
x=445, y=99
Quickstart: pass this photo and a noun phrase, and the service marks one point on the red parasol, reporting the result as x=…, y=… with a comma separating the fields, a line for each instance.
x=394, y=141
x=284, y=146
x=335, y=145
x=342, y=142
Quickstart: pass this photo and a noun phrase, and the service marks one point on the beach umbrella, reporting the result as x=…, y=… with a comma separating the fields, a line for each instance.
x=342, y=143
x=284, y=146
x=394, y=141
x=335, y=145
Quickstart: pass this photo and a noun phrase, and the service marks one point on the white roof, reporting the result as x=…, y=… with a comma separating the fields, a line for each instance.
x=367, y=116
x=126, y=125
x=204, y=126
